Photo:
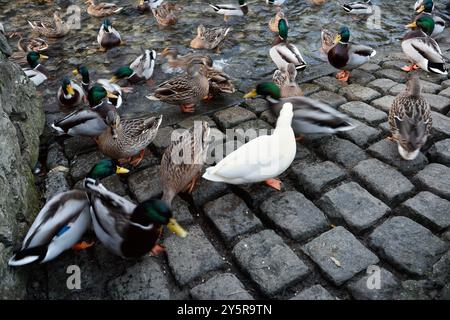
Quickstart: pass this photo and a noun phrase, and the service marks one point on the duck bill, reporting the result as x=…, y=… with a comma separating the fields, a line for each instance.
x=75, y=72
x=337, y=39
x=411, y=25
x=70, y=90
x=251, y=94
x=174, y=227
x=111, y=95
x=121, y=170
x=113, y=79
x=421, y=9
x=43, y=57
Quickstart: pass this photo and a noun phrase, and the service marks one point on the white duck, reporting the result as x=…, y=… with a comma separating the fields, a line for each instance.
x=261, y=159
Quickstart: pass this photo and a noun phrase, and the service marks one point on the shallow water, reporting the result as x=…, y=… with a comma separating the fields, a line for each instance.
x=244, y=55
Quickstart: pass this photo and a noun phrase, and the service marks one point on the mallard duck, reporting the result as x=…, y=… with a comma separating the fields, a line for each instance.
x=422, y=50
x=38, y=73
x=273, y=23
x=359, y=7
x=165, y=14
x=90, y=122
x=219, y=81
x=347, y=56
x=286, y=81
x=32, y=44
x=231, y=9
x=62, y=222
x=126, y=229
x=426, y=8
x=310, y=116
x=183, y=62
x=327, y=38
x=103, y=9
x=108, y=37
x=185, y=90
x=140, y=70
x=127, y=138
x=410, y=120
x=260, y=159
x=211, y=38
x=56, y=29
x=180, y=174
x=70, y=94
x=282, y=52
x=275, y=2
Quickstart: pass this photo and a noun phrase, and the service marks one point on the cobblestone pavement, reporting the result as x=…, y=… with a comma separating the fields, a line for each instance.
x=348, y=202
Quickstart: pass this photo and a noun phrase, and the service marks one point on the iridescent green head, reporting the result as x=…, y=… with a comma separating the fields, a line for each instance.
x=343, y=35
x=122, y=73
x=427, y=6
x=106, y=25
x=265, y=89
x=83, y=70
x=426, y=23
x=106, y=168
x=33, y=59
x=283, y=29
x=96, y=94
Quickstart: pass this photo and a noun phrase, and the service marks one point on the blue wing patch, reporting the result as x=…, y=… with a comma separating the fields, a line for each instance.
x=63, y=230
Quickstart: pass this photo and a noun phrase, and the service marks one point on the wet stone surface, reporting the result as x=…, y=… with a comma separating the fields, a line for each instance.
x=221, y=287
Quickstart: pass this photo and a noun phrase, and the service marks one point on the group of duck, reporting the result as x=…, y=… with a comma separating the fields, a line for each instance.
x=129, y=229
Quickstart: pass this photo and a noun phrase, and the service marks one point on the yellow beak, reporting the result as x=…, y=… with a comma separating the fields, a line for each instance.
x=251, y=94
x=75, y=72
x=70, y=90
x=43, y=57
x=411, y=25
x=121, y=170
x=337, y=39
x=113, y=79
x=174, y=227
x=141, y=2
x=421, y=9
x=112, y=96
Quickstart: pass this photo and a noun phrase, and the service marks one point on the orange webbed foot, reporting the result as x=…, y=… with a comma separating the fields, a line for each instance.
x=274, y=183
x=156, y=250
x=82, y=245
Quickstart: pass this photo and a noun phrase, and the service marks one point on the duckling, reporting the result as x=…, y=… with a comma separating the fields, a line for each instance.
x=273, y=23
x=103, y=9
x=426, y=8
x=108, y=37
x=185, y=90
x=55, y=29
x=38, y=73
x=211, y=38
x=286, y=81
x=70, y=94
x=410, y=120
x=231, y=9
x=141, y=69
x=165, y=15
x=177, y=175
x=359, y=7
x=175, y=61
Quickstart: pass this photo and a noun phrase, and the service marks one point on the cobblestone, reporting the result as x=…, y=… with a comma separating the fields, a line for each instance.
x=395, y=75
x=441, y=126
x=435, y=178
x=316, y=292
x=440, y=152
x=145, y=184
x=233, y=116
x=445, y=93
x=364, y=112
x=343, y=152
x=330, y=83
x=362, y=135
x=221, y=287
x=365, y=289
x=383, y=103
x=356, y=92
x=328, y=97
x=382, y=85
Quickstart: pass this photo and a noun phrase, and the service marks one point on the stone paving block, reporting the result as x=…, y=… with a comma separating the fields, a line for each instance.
x=78, y=145
x=429, y=209
x=188, y=123
x=385, y=128
x=394, y=64
x=407, y=245
x=309, y=88
x=364, y=112
x=432, y=77
x=440, y=152
x=330, y=83
x=370, y=67
x=383, y=180
x=356, y=92
x=162, y=139
x=360, y=77
x=446, y=84
x=353, y=204
x=55, y=183
x=383, y=103
x=427, y=87
x=295, y=215
x=233, y=116
x=364, y=288
x=143, y=281
x=441, y=270
x=435, y=178
x=145, y=184
x=316, y=292
x=249, y=130
x=224, y=286
x=339, y=255
x=83, y=163
x=343, y=152
x=257, y=106
x=205, y=191
x=445, y=93
x=113, y=183
x=316, y=177
x=441, y=126
x=231, y=216
x=181, y=211
x=191, y=257
x=362, y=134
x=269, y=117
x=437, y=103
x=328, y=97
x=395, y=75
x=387, y=151
x=56, y=157
x=271, y=264
x=382, y=85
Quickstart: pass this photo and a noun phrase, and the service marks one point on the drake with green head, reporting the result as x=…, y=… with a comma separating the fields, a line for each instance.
x=283, y=52
x=108, y=37
x=141, y=69
x=70, y=94
x=426, y=9
x=347, y=56
x=62, y=222
x=128, y=229
x=228, y=10
x=37, y=73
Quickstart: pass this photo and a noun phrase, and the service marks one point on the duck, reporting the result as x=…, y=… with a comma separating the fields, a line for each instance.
x=283, y=52
x=127, y=229
x=185, y=90
x=70, y=94
x=228, y=10
x=141, y=69
x=209, y=38
x=165, y=15
x=147, y=5
x=178, y=175
x=61, y=223
x=410, y=120
x=176, y=61
x=426, y=8
x=359, y=7
x=126, y=139
x=37, y=73
x=261, y=159
x=30, y=43
x=55, y=29
x=286, y=81
x=310, y=116
x=347, y=56
x=88, y=122
x=327, y=39
x=273, y=22
x=275, y=2
x=108, y=37
x=219, y=82
x=103, y=9
x=422, y=50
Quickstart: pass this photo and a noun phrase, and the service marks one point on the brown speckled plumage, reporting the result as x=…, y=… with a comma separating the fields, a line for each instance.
x=286, y=81
x=210, y=38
